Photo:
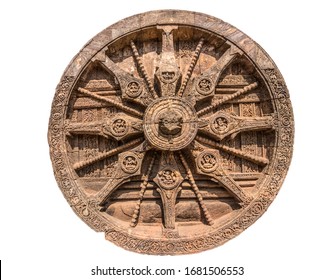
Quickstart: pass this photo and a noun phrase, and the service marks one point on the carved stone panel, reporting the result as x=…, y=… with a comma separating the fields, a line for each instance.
x=171, y=131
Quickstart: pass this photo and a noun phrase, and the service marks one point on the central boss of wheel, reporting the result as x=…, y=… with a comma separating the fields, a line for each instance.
x=170, y=123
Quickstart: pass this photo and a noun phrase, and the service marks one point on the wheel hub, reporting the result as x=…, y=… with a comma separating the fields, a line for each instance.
x=170, y=124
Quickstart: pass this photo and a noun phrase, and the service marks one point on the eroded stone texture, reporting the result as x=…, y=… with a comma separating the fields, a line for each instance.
x=171, y=131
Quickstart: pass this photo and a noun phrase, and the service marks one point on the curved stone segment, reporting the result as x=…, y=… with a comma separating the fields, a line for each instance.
x=171, y=131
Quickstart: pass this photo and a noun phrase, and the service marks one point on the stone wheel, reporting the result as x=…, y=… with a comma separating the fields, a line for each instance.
x=171, y=131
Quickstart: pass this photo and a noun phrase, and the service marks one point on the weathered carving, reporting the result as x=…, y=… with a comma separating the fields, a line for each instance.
x=170, y=128
x=205, y=86
x=219, y=124
x=207, y=162
x=133, y=89
x=223, y=124
x=129, y=162
x=170, y=123
x=168, y=73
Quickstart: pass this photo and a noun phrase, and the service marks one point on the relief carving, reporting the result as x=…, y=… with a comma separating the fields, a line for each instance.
x=129, y=162
x=171, y=140
x=205, y=86
x=207, y=162
x=119, y=127
x=133, y=89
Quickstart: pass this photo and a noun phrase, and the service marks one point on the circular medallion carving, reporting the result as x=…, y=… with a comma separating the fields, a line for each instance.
x=168, y=178
x=205, y=86
x=119, y=127
x=129, y=162
x=207, y=162
x=219, y=124
x=169, y=134
x=170, y=123
x=133, y=89
x=168, y=76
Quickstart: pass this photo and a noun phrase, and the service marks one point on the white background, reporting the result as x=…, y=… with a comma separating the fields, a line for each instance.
x=42, y=238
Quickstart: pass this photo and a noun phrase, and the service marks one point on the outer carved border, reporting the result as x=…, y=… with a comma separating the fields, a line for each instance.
x=277, y=168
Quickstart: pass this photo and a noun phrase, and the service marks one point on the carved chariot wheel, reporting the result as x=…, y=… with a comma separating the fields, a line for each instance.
x=171, y=131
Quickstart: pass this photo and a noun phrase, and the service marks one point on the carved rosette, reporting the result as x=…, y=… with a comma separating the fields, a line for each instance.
x=175, y=122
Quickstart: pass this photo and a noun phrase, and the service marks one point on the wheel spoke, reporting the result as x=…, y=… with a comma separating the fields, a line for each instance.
x=143, y=187
x=221, y=125
x=191, y=67
x=238, y=153
x=129, y=165
x=90, y=128
x=208, y=163
x=111, y=102
x=117, y=179
x=196, y=190
x=238, y=93
x=115, y=151
x=118, y=127
x=168, y=181
x=132, y=88
x=203, y=86
x=143, y=70
x=168, y=72
x=223, y=62
x=231, y=186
